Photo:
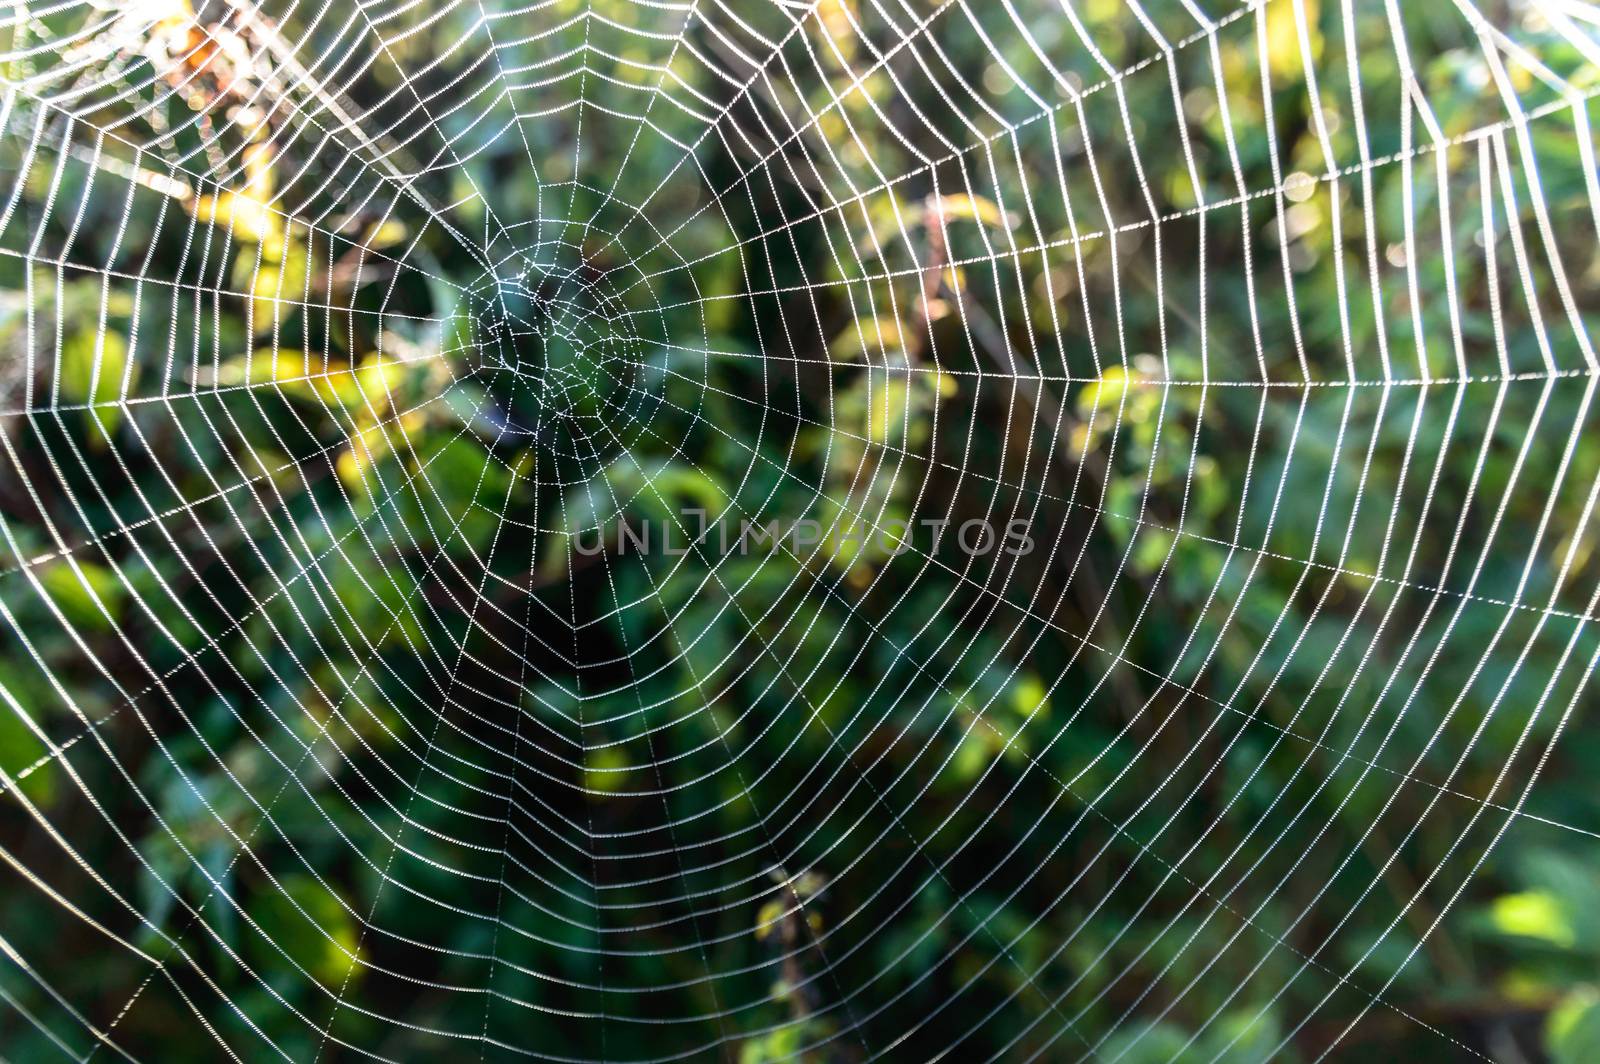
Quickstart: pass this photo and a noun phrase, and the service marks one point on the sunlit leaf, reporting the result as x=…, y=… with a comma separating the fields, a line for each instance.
x=386, y=234
x=1028, y=695
x=87, y=593
x=770, y=918
x=245, y=210
x=314, y=379
x=93, y=365
x=975, y=208
x=372, y=442
x=1533, y=914
x=866, y=337
x=1107, y=391
x=1283, y=36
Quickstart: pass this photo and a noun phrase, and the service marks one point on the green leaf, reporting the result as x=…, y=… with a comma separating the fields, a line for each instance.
x=1028, y=695
x=89, y=595
x=781, y=1044
x=1245, y=1036
x=312, y=925
x=1572, y=1030
x=605, y=769
x=21, y=750
x=92, y=367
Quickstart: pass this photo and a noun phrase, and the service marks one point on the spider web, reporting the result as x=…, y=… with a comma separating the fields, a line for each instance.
x=336, y=334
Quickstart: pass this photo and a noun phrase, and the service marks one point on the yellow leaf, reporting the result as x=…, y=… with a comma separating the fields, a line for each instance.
x=834, y=18
x=867, y=337
x=249, y=219
x=268, y=291
x=370, y=444
x=1283, y=37
x=245, y=210
x=1030, y=695
x=265, y=366
x=367, y=446
x=386, y=234
x=975, y=208
x=378, y=378
x=1534, y=914
x=316, y=380
x=278, y=285
x=768, y=919
x=1108, y=390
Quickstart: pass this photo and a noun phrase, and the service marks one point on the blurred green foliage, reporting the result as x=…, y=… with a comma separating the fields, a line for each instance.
x=290, y=602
